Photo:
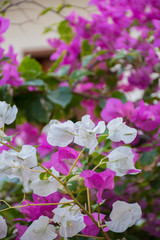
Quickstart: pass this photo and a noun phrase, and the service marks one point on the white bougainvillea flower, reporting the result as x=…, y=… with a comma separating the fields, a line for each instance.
x=121, y=161
x=60, y=134
x=119, y=131
x=3, y=227
x=86, y=132
x=123, y=216
x=70, y=219
x=17, y=164
x=7, y=113
x=40, y=230
x=45, y=187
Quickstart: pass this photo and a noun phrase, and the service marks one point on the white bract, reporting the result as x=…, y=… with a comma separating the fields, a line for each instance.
x=7, y=113
x=40, y=230
x=121, y=161
x=3, y=227
x=45, y=187
x=70, y=219
x=86, y=132
x=123, y=216
x=83, y=133
x=17, y=164
x=119, y=131
x=60, y=134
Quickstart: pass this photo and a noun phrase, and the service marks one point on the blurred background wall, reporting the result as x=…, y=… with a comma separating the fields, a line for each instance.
x=27, y=25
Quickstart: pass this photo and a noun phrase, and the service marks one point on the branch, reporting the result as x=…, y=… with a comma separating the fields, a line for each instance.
x=12, y=5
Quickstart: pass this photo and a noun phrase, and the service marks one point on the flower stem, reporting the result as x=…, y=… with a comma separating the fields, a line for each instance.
x=105, y=235
x=34, y=204
x=88, y=200
x=8, y=145
x=76, y=161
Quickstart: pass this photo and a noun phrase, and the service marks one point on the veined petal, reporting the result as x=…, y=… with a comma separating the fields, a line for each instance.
x=40, y=230
x=61, y=134
x=123, y=215
x=3, y=227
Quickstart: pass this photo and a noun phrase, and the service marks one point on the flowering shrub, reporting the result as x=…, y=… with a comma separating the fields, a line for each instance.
x=93, y=174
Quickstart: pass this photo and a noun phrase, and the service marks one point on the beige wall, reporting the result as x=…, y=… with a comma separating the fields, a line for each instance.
x=25, y=32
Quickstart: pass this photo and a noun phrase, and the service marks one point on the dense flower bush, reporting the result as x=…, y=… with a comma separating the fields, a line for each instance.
x=93, y=174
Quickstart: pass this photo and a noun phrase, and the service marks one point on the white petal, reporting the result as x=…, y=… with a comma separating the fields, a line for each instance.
x=11, y=114
x=3, y=227
x=28, y=153
x=129, y=134
x=100, y=128
x=86, y=138
x=88, y=123
x=61, y=134
x=114, y=124
x=121, y=160
x=118, y=131
x=123, y=215
x=40, y=230
x=44, y=187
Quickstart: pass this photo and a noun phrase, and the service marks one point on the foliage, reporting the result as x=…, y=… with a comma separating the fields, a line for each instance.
x=98, y=65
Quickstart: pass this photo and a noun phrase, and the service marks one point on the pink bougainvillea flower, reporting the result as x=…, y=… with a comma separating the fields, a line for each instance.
x=141, y=77
x=99, y=181
x=40, y=210
x=12, y=55
x=147, y=117
x=91, y=229
x=4, y=24
x=10, y=76
x=63, y=159
x=116, y=108
x=21, y=230
x=45, y=148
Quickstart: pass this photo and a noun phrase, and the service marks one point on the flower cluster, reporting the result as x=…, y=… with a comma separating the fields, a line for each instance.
x=45, y=181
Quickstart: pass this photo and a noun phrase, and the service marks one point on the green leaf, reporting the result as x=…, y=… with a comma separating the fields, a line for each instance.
x=119, y=95
x=46, y=10
x=86, y=60
x=45, y=176
x=86, y=48
x=57, y=62
x=61, y=6
x=95, y=206
x=120, y=54
x=34, y=83
x=30, y=68
x=4, y=2
x=63, y=71
x=148, y=158
x=4, y=59
x=47, y=29
x=65, y=31
x=76, y=184
x=5, y=94
x=155, y=184
x=78, y=75
x=119, y=189
x=39, y=109
x=9, y=138
x=62, y=96
x=111, y=80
